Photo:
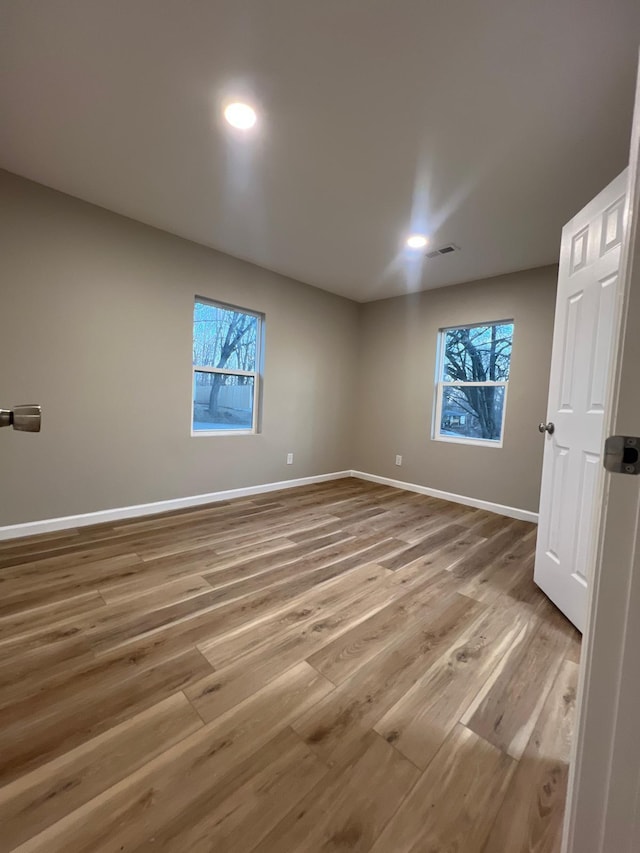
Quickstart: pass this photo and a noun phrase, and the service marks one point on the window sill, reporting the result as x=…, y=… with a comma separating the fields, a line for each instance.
x=475, y=442
x=208, y=432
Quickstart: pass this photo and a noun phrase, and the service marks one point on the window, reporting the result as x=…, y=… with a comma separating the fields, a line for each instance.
x=226, y=369
x=471, y=383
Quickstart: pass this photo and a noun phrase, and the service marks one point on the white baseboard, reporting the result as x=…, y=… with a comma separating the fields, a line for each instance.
x=510, y=511
x=50, y=525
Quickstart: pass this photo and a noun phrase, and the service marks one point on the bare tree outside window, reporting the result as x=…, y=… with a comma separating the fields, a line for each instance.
x=472, y=380
x=225, y=364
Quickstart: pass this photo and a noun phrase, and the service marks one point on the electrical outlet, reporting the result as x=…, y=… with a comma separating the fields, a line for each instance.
x=289, y=458
x=398, y=460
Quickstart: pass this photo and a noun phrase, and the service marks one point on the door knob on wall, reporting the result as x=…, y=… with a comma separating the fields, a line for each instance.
x=26, y=418
x=550, y=427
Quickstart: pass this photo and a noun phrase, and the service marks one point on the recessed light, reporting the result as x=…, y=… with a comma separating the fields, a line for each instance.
x=240, y=115
x=417, y=241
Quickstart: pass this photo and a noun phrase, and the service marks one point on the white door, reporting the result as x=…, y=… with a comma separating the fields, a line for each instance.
x=603, y=811
x=587, y=320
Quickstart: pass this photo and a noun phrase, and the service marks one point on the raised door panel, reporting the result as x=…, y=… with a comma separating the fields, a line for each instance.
x=570, y=350
x=558, y=491
x=601, y=343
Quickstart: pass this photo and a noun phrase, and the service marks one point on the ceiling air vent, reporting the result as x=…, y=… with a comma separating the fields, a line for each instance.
x=443, y=250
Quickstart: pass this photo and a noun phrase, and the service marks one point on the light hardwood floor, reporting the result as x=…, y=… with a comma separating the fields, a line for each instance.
x=339, y=667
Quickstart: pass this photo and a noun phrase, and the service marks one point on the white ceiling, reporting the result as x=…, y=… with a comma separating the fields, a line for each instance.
x=487, y=123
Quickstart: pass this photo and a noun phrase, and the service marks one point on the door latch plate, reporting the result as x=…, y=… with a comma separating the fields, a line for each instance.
x=622, y=454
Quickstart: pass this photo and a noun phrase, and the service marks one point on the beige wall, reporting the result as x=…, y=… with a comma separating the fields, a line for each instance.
x=396, y=388
x=96, y=325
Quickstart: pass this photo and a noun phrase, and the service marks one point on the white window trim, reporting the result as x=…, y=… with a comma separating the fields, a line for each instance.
x=439, y=387
x=256, y=374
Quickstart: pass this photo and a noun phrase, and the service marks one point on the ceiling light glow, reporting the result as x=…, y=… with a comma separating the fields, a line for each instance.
x=241, y=116
x=417, y=241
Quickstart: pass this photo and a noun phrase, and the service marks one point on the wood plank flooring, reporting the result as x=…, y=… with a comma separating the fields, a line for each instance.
x=339, y=667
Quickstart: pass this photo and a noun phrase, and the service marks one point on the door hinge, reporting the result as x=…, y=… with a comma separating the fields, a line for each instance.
x=621, y=454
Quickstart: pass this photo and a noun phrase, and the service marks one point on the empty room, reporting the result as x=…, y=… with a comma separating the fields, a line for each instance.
x=320, y=515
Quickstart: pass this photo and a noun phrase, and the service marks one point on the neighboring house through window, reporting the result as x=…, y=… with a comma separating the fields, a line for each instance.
x=227, y=354
x=471, y=383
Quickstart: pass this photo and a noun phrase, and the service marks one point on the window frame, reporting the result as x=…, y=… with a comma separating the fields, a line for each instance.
x=256, y=373
x=440, y=385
